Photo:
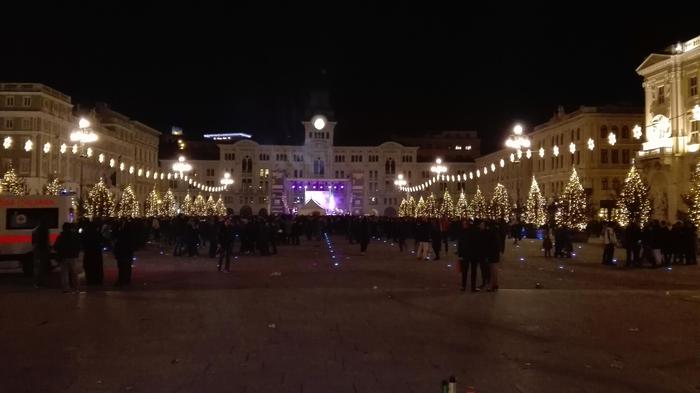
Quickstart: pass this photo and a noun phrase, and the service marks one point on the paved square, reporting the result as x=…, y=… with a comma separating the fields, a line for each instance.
x=382, y=322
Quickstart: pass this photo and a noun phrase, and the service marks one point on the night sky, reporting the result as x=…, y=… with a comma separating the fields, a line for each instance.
x=395, y=70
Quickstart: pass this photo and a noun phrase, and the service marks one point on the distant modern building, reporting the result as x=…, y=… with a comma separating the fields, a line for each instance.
x=580, y=139
x=672, y=125
x=35, y=125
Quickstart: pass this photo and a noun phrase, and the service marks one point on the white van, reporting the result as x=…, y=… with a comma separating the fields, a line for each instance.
x=19, y=215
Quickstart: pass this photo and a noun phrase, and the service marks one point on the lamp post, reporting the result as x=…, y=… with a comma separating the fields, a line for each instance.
x=438, y=168
x=517, y=141
x=84, y=136
x=226, y=180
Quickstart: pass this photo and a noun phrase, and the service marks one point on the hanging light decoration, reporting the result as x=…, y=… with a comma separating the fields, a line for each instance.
x=47, y=147
x=555, y=151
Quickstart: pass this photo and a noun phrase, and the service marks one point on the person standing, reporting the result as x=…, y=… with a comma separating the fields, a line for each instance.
x=67, y=248
x=40, y=253
x=363, y=234
x=92, y=254
x=124, y=253
x=436, y=238
x=609, y=241
x=225, y=245
x=467, y=251
x=423, y=239
x=632, y=244
x=493, y=247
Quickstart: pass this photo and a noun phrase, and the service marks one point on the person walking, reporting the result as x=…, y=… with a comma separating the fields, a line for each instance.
x=467, y=251
x=67, y=248
x=436, y=238
x=492, y=248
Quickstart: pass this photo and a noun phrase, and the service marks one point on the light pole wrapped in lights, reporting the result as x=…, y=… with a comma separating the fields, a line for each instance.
x=438, y=169
x=226, y=180
x=83, y=136
x=400, y=182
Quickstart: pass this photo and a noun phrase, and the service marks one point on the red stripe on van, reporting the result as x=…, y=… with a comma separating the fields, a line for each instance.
x=15, y=239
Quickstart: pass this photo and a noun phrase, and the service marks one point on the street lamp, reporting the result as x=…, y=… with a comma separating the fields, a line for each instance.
x=181, y=165
x=226, y=180
x=83, y=136
x=517, y=141
x=400, y=182
x=438, y=169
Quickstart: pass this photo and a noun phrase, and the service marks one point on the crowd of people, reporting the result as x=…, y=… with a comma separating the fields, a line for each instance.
x=479, y=243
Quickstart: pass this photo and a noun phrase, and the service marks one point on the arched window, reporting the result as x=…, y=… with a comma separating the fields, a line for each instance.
x=603, y=132
x=625, y=132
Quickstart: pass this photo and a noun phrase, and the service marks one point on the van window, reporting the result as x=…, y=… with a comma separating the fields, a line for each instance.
x=30, y=218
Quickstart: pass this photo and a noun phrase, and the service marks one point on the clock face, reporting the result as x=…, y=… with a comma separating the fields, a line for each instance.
x=319, y=122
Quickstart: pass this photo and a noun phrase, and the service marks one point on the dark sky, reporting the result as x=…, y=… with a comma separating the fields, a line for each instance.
x=390, y=70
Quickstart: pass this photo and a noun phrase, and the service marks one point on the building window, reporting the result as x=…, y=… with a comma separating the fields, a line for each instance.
x=9, y=101
x=625, y=156
x=625, y=132
x=173, y=184
x=9, y=124
x=578, y=134
x=24, y=166
x=660, y=98
x=578, y=158
x=229, y=156
x=26, y=101
x=210, y=172
x=603, y=132
x=615, y=158
x=694, y=130
x=390, y=166
x=615, y=184
x=26, y=123
x=603, y=156
x=693, y=86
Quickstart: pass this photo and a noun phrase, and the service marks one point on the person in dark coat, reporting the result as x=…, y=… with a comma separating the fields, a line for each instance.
x=690, y=242
x=124, y=246
x=363, y=234
x=482, y=238
x=633, y=237
x=436, y=238
x=40, y=253
x=467, y=251
x=67, y=248
x=492, y=247
x=92, y=253
x=225, y=239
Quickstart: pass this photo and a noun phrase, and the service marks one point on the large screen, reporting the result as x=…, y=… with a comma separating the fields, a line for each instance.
x=323, y=198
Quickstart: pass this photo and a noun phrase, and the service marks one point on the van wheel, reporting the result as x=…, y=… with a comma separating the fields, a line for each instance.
x=28, y=265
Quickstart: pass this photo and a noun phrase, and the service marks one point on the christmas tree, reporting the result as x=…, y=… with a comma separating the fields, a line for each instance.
x=571, y=206
x=99, y=202
x=199, y=207
x=221, y=207
x=13, y=184
x=633, y=202
x=431, y=207
x=500, y=204
x=420, y=208
x=168, y=207
x=403, y=208
x=447, y=209
x=210, y=206
x=187, y=207
x=53, y=187
x=462, y=208
x=536, y=206
x=477, y=206
x=151, y=206
x=128, y=205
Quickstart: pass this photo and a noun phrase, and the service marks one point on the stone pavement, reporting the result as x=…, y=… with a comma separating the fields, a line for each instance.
x=312, y=320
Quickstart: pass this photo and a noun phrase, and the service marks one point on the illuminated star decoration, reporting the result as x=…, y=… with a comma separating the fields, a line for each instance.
x=591, y=144
x=637, y=131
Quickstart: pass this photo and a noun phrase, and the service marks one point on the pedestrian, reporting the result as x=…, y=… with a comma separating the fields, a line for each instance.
x=493, y=246
x=467, y=251
x=423, y=239
x=225, y=239
x=67, y=248
x=363, y=234
x=92, y=253
x=632, y=240
x=124, y=246
x=547, y=243
x=609, y=241
x=40, y=253
x=436, y=238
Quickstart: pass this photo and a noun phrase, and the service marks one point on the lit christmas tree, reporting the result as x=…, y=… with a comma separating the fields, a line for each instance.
x=53, y=187
x=199, y=207
x=571, y=206
x=431, y=207
x=152, y=204
x=536, y=206
x=221, y=207
x=187, y=206
x=168, y=207
x=99, y=202
x=411, y=206
x=462, y=208
x=633, y=203
x=403, y=207
x=210, y=206
x=13, y=184
x=447, y=209
x=500, y=209
x=128, y=205
x=477, y=206
x=421, y=210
